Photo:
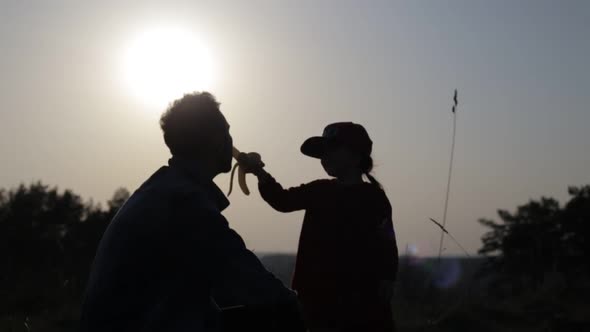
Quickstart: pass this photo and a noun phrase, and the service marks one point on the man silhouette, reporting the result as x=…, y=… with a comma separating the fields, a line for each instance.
x=169, y=249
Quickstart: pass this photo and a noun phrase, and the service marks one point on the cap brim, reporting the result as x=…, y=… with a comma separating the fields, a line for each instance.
x=314, y=147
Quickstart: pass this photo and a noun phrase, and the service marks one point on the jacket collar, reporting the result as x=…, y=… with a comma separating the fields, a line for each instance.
x=194, y=171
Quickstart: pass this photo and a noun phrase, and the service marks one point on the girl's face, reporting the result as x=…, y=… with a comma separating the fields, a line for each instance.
x=340, y=161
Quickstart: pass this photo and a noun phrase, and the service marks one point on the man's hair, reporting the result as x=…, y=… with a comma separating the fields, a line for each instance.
x=189, y=122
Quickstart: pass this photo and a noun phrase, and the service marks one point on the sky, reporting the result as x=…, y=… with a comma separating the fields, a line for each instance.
x=283, y=70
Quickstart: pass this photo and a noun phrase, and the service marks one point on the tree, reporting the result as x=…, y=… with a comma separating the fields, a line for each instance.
x=119, y=198
x=48, y=240
x=576, y=227
x=540, y=237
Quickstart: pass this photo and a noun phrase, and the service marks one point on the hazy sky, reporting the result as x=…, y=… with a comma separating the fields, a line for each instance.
x=283, y=70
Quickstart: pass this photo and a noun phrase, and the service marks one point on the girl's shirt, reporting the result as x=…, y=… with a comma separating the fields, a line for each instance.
x=347, y=238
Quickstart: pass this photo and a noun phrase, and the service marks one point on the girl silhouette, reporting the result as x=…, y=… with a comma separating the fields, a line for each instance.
x=347, y=257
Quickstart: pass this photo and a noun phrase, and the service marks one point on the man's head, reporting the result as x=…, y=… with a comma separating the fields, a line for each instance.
x=194, y=128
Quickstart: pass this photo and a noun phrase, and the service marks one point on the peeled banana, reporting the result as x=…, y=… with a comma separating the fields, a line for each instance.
x=255, y=157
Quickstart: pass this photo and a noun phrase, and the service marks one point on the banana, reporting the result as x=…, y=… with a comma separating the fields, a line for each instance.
x=255, y=157
x=242, y=181
x=231, y=180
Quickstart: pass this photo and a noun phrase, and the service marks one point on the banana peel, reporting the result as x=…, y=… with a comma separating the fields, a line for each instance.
x=241, y=171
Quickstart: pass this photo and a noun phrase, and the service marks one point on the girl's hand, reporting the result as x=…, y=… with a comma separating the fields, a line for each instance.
x=251, y=162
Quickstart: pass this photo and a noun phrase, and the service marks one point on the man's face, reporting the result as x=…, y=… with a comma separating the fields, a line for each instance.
x=225, y=155
x=217, y=148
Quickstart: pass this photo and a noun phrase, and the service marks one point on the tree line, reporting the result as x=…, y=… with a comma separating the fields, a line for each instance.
x=48, y=239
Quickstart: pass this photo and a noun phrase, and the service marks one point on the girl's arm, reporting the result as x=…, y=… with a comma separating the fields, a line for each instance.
x=284, y=200
x=388, y=258
x=389, y=262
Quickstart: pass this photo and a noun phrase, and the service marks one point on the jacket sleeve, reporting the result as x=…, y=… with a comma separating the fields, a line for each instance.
x=209, y=246
x=387, y=245
x=287, y=200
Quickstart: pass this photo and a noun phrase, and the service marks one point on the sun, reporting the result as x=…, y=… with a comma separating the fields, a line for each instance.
x=163, y=63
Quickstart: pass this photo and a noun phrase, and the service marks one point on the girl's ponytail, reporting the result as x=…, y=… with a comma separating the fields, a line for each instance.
x=366, y=168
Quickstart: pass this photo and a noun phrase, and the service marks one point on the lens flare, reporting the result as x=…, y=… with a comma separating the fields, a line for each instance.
x=447, y=273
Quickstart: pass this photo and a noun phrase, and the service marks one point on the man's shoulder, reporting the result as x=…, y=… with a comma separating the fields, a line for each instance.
x=169, y=180
x=168, y=184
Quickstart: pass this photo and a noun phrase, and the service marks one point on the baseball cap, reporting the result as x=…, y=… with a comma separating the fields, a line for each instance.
x=348, y=134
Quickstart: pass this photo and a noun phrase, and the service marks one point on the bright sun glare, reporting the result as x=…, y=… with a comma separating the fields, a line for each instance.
x=162, y=64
